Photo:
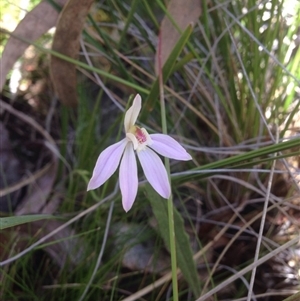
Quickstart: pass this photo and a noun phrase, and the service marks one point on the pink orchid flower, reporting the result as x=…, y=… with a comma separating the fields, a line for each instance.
x=137, y=139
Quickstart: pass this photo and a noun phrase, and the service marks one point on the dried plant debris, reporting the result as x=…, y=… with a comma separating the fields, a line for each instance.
x=68, y=32
x=29, y=153
x=10, y=173
x=37, y=22
x=182, y=13
x=137, y=248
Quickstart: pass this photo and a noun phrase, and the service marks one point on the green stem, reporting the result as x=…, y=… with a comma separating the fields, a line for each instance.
x=167, y=165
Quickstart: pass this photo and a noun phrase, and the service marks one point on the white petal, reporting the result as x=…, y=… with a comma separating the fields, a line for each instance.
x=128, y=177
x=107, y=164
x=132, y=113
x=169, y=147
x=155, y=172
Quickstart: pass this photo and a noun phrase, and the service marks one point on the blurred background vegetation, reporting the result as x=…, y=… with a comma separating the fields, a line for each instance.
x=232, y=78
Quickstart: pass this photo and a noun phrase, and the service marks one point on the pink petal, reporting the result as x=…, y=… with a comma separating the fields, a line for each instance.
x=132, y=113
x=128, y=177
x=107, y=164
x=155, y=172
x=169, y=147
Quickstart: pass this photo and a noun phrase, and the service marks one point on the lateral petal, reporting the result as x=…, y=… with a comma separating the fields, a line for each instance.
x=132, y=113
x=107, y=164
x=128, y=177
x=155, y=172
x=169, y=147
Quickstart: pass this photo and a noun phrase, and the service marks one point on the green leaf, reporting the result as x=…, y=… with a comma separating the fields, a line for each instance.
x=11, y=221
x=183, y=248
x=168, y=69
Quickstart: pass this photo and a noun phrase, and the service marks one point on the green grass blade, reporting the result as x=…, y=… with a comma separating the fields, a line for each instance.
x=11, y=221
x=242, y=160
x=168, y=69
x=183, y=247
x=105, y=74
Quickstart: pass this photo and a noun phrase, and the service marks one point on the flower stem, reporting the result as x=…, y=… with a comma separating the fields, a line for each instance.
x=167, y=165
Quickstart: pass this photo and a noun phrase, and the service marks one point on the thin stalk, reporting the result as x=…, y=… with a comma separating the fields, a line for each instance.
x=99, y=259
x=167, y=165
x=261, y=229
